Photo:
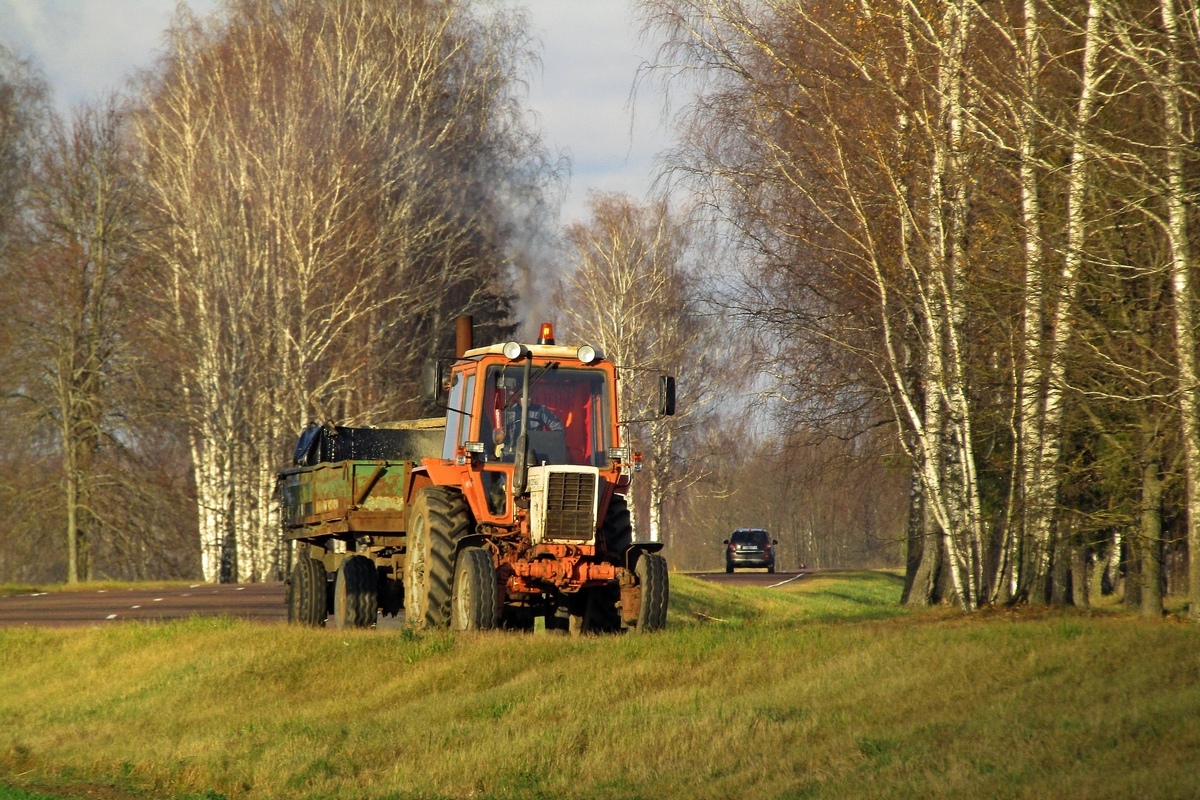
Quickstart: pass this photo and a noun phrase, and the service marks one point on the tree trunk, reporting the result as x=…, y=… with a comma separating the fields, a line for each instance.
x=1080, y=579
x=1151, y=540
x=1181, y=267
x=1038, y=561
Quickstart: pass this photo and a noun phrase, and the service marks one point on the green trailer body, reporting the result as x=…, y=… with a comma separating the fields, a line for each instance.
x=339, y=505
x=336, y=499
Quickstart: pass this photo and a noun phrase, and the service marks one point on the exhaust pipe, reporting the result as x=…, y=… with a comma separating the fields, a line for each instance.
x=463, y=336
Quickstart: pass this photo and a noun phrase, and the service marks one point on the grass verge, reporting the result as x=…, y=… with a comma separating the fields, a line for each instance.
x=822, y=688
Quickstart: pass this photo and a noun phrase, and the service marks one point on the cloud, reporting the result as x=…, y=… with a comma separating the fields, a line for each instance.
x=590, y=58
x=87, y=47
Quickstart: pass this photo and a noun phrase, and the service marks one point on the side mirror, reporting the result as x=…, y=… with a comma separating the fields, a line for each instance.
x=725, y=542
x=774, y=541
x=666, y=396
x=431, y=380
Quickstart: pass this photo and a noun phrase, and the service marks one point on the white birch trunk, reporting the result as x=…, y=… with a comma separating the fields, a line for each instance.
x=1181, y=267
x=1045, y=489
x=1029, y=401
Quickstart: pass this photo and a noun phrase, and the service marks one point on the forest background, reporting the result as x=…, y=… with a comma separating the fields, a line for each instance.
x=923, y=270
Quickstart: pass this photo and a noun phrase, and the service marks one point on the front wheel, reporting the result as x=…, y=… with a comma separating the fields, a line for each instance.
x=475, y=605
x=655, y=584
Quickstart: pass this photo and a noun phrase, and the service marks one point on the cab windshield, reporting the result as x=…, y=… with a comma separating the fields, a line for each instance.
x=568, y=415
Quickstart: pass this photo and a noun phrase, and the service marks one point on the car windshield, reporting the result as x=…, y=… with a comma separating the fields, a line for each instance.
x=568, y=415
x=749, y=537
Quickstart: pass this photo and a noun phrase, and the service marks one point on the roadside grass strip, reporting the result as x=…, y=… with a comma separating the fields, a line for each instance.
x=822, y=688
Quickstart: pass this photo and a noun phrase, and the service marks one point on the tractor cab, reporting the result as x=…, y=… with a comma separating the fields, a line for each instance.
x=523, y=419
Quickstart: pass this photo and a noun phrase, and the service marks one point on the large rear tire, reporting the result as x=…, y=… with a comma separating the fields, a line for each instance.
x=306, y=594
x=617, y=530
x=356, y=594
x=475, y=605
x=652, y=576
x=438, y=517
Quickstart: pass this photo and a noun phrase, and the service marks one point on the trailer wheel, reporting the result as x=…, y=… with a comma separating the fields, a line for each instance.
x=475, y=605
x=652, y=576
x=439, y=515
x=355, y=594
x=306, y=594
x=617, y=531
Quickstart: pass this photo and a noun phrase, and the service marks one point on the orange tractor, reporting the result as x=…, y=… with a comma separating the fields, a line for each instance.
x=510, y=509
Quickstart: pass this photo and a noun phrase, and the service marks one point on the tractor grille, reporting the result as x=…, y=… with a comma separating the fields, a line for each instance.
x=570, y=500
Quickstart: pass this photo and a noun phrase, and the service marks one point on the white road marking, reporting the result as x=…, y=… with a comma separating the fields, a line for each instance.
x=135, y=606
x=240, y=588
x=789, y=580
x=158, y=599
x=111, y=616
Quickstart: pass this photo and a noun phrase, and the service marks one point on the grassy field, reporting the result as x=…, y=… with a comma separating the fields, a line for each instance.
x=824, y=688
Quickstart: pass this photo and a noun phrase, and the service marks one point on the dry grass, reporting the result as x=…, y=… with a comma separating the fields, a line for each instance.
x=823, y=688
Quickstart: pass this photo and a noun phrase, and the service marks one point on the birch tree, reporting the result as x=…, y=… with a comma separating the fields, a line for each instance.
x=325, y=183
x=631, y=294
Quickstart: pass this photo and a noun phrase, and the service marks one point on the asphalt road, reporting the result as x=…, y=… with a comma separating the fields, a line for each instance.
x=262, y=602
x=257, y=601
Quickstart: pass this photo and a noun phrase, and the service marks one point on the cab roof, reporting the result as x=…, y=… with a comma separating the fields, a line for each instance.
x=537, y=350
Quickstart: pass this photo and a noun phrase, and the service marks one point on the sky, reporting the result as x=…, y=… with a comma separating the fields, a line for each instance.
x=580, y=95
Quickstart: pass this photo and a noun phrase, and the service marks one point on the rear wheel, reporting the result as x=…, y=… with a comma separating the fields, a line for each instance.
x=728, y=568
x=475, y=605
x=439, y=516
x=617, y=531
x=355, y=594
x=771, y=568
x=306, y=595
x=652, y=576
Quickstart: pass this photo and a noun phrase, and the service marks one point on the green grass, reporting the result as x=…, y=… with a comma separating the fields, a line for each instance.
x=824, y=688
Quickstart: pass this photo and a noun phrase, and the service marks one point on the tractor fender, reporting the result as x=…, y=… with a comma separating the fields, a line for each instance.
x=469, y=540
x=635, y=552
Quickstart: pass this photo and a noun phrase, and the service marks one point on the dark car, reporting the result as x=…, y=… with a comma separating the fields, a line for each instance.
x=750, y=547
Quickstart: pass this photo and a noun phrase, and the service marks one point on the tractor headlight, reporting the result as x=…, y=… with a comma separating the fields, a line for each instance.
x=513, y=350
x=588, y=354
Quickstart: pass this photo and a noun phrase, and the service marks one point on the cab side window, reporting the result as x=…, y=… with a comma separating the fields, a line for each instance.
x=454, y=417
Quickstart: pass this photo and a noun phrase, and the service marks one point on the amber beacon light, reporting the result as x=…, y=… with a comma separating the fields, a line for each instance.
x=547, y=334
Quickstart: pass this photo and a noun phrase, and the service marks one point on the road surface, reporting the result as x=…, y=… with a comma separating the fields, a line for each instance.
x=261, y=602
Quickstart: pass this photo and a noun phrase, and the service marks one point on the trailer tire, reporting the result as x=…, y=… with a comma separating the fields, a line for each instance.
x=475, y=604
x=439, y=516
x=306, y=593
x=652, y=576
x=356, y=594
x=617, y=531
